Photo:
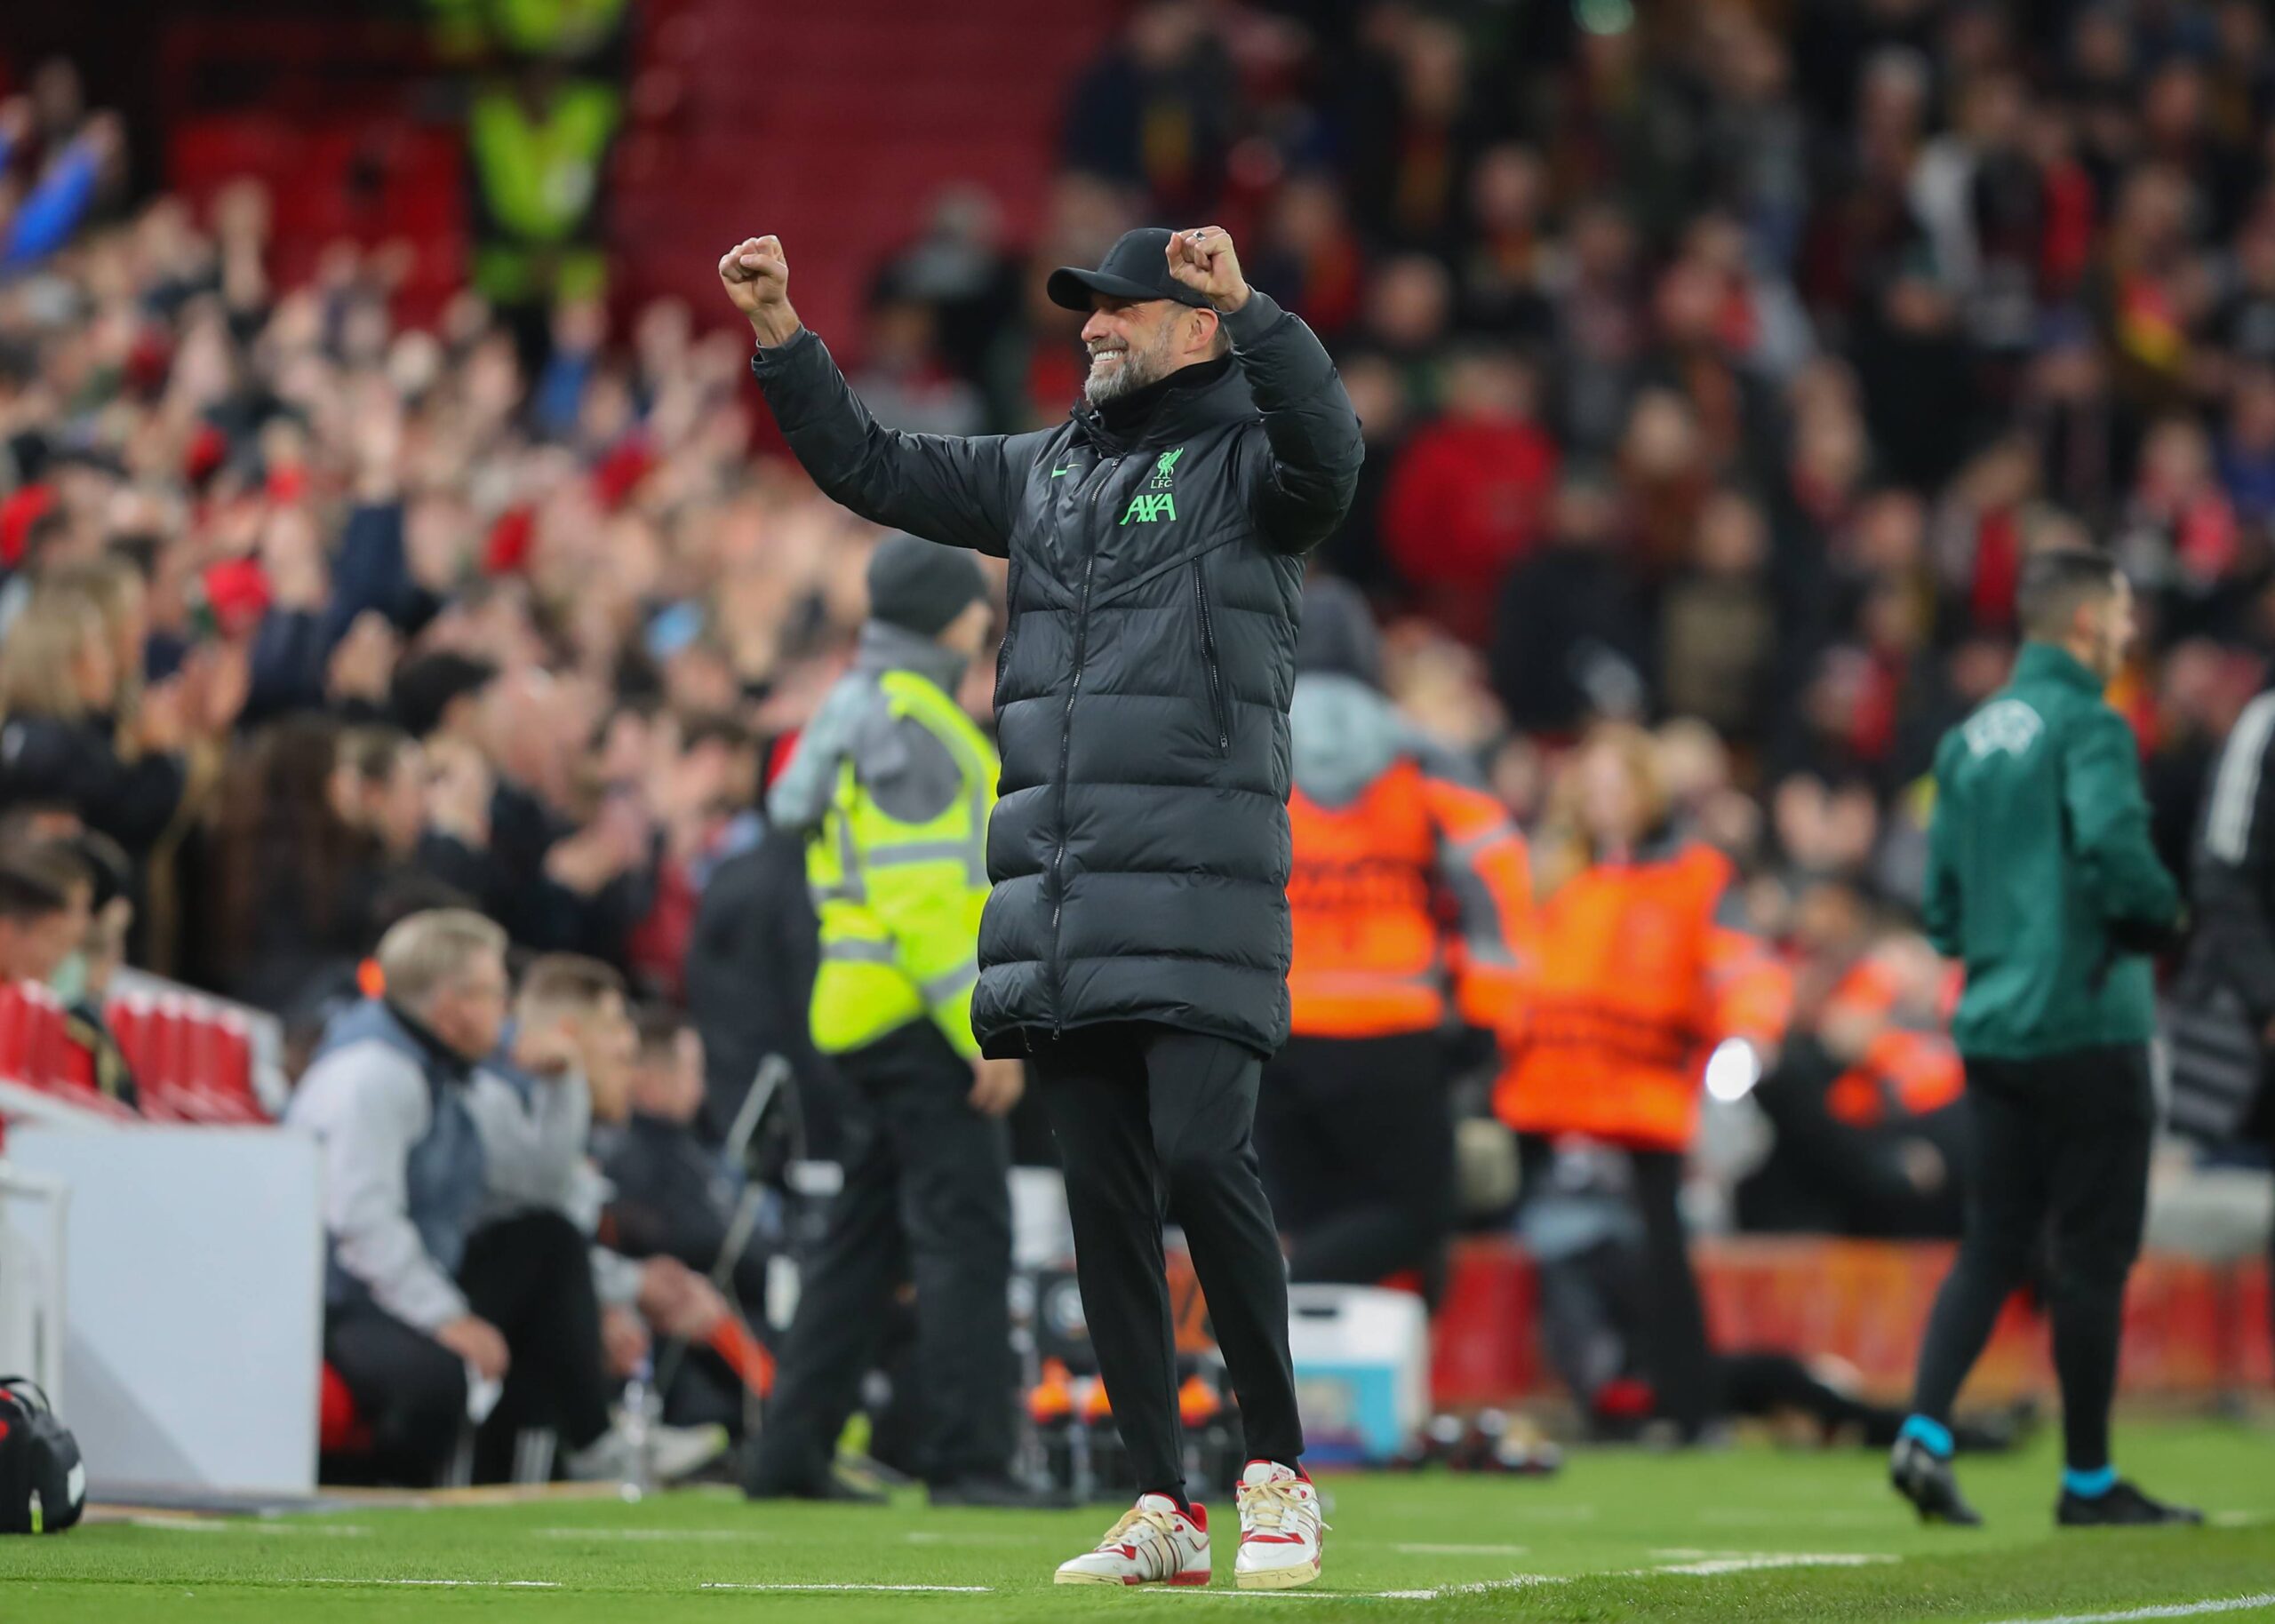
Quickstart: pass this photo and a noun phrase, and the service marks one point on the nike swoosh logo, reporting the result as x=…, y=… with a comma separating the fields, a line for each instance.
x=1060, y=473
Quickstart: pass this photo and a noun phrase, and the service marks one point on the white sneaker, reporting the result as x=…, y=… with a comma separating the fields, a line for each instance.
x=672, y=1454
x=1154, y=1543
x=1279, y=1529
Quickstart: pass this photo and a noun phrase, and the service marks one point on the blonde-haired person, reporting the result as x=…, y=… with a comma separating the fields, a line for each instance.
x=1641, y=970
x=120, y=596
x=61, y=687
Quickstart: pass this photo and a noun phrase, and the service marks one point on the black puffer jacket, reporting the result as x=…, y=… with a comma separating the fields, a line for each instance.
x=1140, y=850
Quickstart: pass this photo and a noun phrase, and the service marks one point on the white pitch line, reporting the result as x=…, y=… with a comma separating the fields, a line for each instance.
x=2174, y=1610
x=928, y=1590
x=442, y=1584
x=1755, y=1561
x=667, y=1535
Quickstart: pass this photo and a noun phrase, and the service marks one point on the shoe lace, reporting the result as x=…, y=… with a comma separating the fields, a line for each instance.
x=1269, y=1505
x=1152, y=1517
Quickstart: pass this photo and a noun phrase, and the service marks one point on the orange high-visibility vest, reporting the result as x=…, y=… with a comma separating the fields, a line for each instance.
x=1635, y=981
x=1903, y=1072
x=1417, y=889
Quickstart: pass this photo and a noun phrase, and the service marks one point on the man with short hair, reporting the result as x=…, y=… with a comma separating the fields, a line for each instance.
x=562, y=1061
x=2043, y=881
x=35, y=925
x=1135, y=948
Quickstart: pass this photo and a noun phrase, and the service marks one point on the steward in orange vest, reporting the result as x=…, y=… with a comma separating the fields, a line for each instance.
x=1409, y=894
x=1640, y=972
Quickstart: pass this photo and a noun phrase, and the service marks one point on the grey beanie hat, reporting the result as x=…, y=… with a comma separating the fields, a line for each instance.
x=920, y=585
x=1337, y=635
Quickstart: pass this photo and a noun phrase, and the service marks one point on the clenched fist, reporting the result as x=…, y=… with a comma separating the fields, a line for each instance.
x=757, y=279
x=1203, y=260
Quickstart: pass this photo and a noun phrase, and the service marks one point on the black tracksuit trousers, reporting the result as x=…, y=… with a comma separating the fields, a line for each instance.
x=532, y=1277
x=926, y=1198
x=2061, y=1142
x=1155, y=1122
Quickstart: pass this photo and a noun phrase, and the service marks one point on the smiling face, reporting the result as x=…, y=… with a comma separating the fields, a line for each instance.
x=1135, y=342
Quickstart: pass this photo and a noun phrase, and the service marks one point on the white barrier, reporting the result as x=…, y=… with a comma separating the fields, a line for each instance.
x=33, y=1212
x=194, y=1270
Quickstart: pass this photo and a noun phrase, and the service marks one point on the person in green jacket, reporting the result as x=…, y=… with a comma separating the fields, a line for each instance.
x=2042, y=881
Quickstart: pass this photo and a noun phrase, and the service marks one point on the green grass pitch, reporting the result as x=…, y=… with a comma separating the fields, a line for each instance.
x=1750, y=1533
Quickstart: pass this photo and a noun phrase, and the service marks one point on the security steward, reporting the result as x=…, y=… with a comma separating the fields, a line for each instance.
x=2042, y=880
x=892, y=784
x=1410, y=893
x=1135, y=946
x=1642, y=972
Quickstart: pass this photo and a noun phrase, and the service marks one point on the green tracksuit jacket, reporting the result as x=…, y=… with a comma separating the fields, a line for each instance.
x=2038, y=863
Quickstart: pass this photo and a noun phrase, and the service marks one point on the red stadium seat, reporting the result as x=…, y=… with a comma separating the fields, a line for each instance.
x=340, y=1429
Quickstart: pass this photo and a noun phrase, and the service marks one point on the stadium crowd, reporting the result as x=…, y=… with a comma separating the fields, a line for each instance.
x=1716, y=376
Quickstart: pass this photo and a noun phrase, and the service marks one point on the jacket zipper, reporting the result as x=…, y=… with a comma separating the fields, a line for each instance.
x=1065, y=755
x=1010, y=629
x=1208, y=656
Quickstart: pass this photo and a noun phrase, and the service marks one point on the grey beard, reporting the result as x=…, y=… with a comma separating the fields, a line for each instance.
x=1138, y=368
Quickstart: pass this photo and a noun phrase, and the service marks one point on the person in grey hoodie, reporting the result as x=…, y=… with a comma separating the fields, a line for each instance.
x=1410, y=894
x=403, y=1179
x=417, y=1310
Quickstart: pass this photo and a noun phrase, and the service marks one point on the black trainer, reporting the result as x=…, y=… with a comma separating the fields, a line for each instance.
x=2122, y=1507
x=1925, y=1478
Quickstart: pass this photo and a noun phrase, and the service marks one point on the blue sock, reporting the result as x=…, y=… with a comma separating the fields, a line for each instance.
x=1934, y=1434
x=2089, y=1485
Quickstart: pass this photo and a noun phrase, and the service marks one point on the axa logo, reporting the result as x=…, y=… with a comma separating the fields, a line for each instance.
x=1157, y=501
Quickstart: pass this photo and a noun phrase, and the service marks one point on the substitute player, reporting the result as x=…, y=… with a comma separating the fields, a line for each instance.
x=2041, y=880
x=1135, y=948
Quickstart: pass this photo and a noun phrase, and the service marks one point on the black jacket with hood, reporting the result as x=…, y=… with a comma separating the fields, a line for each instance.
x=1141, y=850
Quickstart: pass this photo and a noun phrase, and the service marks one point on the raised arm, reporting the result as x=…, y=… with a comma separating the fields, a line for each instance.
x=1303, y=492
x=945, y=488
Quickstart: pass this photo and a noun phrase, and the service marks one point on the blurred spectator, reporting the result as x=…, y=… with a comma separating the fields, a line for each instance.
x=1468, y=495
x=35, y=923
x=61, y=688
x=673, y=1195
x=1864, y=1102
x=537, y=147
x=1155, y=112
x=1718, y=621
x=91, y=873
x=1570, y=640
x=312, y=828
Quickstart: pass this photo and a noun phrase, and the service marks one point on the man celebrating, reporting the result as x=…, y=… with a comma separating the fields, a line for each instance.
x=2042, y=880
x=1134, y=947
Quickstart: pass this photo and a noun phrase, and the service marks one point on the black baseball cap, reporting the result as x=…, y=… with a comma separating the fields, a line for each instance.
x=1137, y=267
